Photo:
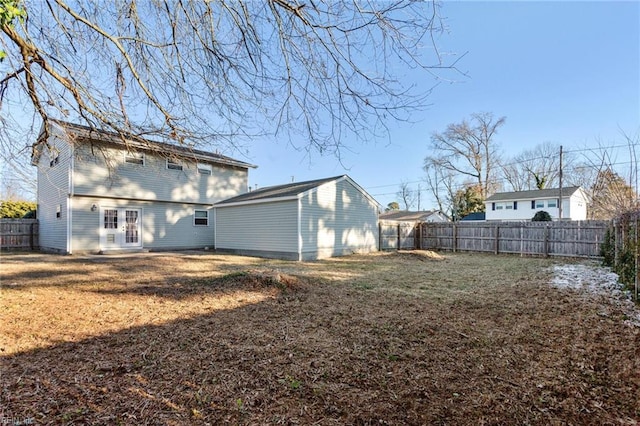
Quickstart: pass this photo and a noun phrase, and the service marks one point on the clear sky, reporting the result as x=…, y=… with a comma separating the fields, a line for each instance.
x=565, y=72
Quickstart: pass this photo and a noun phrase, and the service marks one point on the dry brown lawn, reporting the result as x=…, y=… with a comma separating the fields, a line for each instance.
x=387, y=338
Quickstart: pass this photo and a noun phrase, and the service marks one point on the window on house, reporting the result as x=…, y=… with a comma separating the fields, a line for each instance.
x=499, y=206
x=205, y=169
x=509, y=206
x=59, y=211
x=201, y=218
x=173, y=164
x=54, y=160
x=134, y=158
x=552, y=203
x=539, y=204
x=110, y=219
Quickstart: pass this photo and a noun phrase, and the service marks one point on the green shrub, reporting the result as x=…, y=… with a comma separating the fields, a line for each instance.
x=541, y=216
x=17, y=209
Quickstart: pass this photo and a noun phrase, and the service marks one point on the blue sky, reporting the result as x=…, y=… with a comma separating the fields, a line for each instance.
x=565, y=72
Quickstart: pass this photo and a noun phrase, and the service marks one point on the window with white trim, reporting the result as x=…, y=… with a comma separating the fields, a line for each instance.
x=174, y=164
x=205, y=169
x=552, y=203
x=539, y=204
x=499, y=206
x=134, y=158
x=201, y=217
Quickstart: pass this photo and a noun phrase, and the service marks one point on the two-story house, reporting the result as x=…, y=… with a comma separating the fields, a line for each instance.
x=523, y=205
x=99, y=192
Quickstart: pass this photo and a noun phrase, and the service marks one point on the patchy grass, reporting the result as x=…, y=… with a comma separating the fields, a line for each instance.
x=386, y=338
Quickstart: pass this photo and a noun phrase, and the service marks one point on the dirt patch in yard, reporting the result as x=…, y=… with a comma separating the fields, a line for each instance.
x=386, y=338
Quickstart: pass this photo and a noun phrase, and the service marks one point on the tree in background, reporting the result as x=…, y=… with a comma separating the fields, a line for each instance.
x=407, y=195
x=611, y=196
x=466, y=201
x=392, y=206
x=216, y=73
x=536, y=168
x=441, y=182
x=469, y=150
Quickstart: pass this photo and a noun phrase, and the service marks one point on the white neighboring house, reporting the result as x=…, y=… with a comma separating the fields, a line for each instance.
x=299, y=221
x=99, y=193
x=523, y=205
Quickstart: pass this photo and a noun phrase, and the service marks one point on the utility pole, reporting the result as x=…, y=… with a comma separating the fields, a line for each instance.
x=560, y=180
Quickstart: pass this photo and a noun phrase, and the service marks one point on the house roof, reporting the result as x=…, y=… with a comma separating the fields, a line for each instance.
x=407, y=215
x=137, y=143
x=285, y=192
x=475, y=216
x=533, y=195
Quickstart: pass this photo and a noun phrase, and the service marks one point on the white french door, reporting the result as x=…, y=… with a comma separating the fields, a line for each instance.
x=120, y=228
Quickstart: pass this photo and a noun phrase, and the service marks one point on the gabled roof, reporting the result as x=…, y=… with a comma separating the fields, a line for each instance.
x=288, y=191
x=85, y=133
x=407, y=215
x=533, y=195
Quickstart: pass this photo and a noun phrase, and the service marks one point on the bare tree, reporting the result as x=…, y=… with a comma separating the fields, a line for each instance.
x=537, y=168
x=407, y=195
x=440, y=182
x=212, y=72
x=469, y=149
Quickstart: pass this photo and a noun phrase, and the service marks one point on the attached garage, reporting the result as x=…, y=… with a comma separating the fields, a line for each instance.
x=299, y=221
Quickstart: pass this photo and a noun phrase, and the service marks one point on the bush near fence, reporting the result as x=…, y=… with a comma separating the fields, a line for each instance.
x=18, y=234
x=621, y=247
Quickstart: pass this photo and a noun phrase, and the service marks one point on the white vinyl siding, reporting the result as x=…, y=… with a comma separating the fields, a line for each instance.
x=338, y=219
x=165, y=226
x=267, y=227
x=99, y=170
x=53, y=194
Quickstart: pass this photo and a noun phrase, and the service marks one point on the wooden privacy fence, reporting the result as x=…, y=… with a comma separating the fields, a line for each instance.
x=397, y=236
x=18, y=234
x=570, y=238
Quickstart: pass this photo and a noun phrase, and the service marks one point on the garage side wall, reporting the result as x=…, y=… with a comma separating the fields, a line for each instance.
x=265, y=230
x=338, y=219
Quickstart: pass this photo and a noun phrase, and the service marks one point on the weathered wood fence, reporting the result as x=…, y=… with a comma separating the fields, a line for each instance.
x=570, y=238
x=18, y=234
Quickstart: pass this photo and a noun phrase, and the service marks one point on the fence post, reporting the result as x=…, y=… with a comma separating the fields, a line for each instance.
x=546, y=240
x=496, y=243
x=399, y=240
x=380, y=236
x=455, y=238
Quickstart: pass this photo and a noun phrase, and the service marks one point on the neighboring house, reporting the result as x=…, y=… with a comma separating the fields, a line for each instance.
x=523, y=205
x=299, y=221
x=408, y=216
x=98, y=192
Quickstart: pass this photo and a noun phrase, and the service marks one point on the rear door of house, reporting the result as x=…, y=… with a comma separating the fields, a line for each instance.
x=120, y=228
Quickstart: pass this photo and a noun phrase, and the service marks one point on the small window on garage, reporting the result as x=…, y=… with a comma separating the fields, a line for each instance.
x=59, y=211
x=201, y=217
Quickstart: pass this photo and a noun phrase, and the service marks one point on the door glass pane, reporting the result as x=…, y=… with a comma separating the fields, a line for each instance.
x=131, y=233
x=110, y=219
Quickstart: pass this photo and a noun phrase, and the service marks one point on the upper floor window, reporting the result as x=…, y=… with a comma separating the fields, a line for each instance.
x=205, y=169
x=174, y=164
x=539, y=204
x=134, y=158
x=54, y=157
x=552, y=203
